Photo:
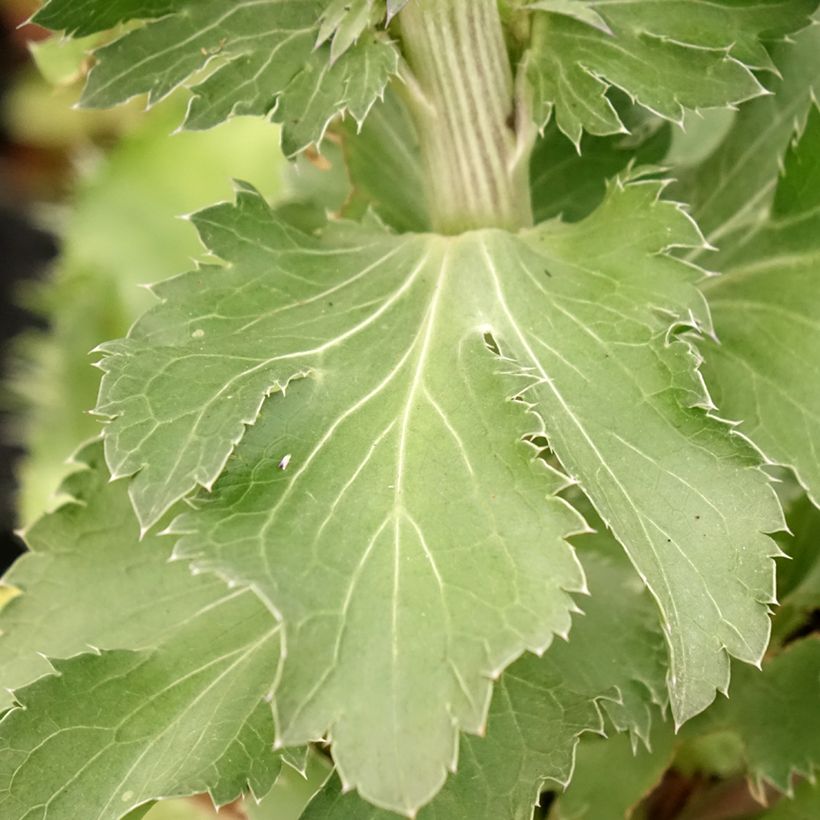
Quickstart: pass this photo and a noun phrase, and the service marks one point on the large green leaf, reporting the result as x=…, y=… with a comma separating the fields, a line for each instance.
x=542, y=705
x=400, y=355
x=766, y=307
x=266, y=62
x=668, y=56
x=177, y=708
x=82, y=17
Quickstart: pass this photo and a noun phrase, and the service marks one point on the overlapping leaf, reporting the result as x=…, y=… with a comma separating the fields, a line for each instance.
x=734, y=187
x=112, y=731
x=345, y=20
x=776, y=713
x=381, y=583
x=804, y=805
x=767, y=315
x=176, y=708
x=668, y=56
x=266, y=62
x=798, y=580
x=611, y=777
x=87, y=559
x=542, y=705
x=571, y=184
x=400, y=355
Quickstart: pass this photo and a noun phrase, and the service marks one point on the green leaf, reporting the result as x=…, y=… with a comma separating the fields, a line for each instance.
x=735, y=185
x=804, y=805
x=266, y=63
x=798, y=580
x=670, y=56
x=87, y=559
x=542, y=705
x=79, y=18
x=112, y=731
x=766, y=306
x=776, y=712
x=385, y=168
x=611, y=777
x=570, y=184
x=171, y=704
x=344, y=21
x=579, y=9
x=573, y=322
x=292, y=791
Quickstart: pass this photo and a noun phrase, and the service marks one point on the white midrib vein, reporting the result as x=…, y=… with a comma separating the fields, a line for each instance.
x=412, y=394
x=424, y=338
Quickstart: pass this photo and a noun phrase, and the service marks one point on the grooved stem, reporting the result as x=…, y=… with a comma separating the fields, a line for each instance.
x=476, y=175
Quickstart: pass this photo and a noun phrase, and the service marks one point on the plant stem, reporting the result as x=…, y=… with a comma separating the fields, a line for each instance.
x=476, y=167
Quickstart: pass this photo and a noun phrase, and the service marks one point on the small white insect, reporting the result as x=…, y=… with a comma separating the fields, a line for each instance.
x=283, y=464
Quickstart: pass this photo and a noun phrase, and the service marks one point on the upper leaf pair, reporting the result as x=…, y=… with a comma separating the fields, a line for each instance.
x=686, y=54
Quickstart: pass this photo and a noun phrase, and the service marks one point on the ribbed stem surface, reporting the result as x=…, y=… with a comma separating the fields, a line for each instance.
x=475, y=177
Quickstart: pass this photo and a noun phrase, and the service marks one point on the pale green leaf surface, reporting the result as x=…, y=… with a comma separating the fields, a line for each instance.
x=700, y=135
x=668, y=56
x=355, y=613
x=542, y=705
x=774, y=714
x=344, y=21
x=114, y=730
x=265, y=64
x=534, y=724
x=171, y=704
x=358, y=79
x=735, y=185
x=766, y=306
x=616, y=652
x=579, y=9
x=86, y=559
x=578, y=319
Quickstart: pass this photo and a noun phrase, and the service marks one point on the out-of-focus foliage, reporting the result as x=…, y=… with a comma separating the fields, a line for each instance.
x=122, y=230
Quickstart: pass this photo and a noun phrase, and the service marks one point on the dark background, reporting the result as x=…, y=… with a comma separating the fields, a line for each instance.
x=25, y=253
